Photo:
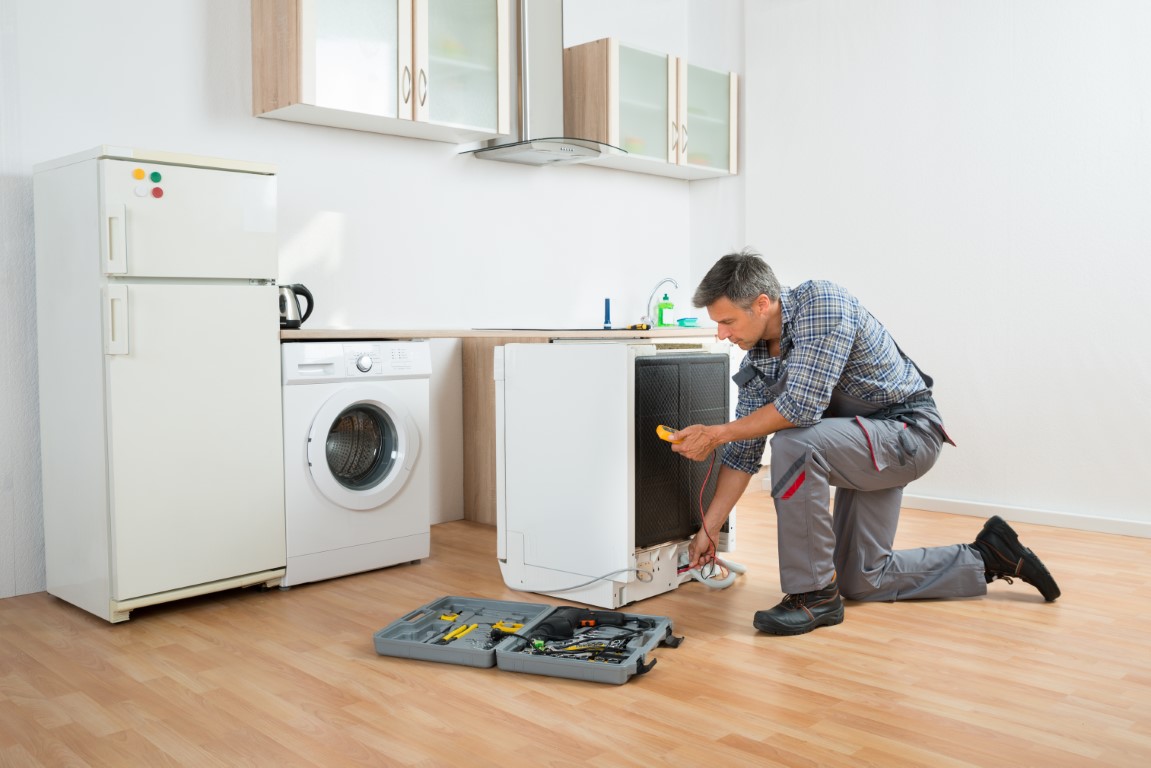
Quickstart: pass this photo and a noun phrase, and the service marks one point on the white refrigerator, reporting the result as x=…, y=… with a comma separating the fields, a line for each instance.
x=158, y=341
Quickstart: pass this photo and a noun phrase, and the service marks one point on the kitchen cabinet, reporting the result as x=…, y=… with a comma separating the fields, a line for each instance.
x=430, y=69
x=673, y=118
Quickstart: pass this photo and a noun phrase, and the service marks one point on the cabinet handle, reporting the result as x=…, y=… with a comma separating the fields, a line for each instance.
x=423, y=87
x=407, y=85
x=683, y=144
x=674, y=137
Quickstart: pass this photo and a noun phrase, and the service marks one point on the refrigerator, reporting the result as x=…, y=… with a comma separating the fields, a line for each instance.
x=160, y=397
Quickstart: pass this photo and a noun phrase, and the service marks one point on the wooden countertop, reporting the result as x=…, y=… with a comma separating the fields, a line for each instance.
x=362, y=334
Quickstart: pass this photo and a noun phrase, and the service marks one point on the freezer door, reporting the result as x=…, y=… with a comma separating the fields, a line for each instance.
x=160, y=220
x=195, y=437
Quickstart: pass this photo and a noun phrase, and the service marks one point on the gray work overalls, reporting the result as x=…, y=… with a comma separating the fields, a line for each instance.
x=868, y=456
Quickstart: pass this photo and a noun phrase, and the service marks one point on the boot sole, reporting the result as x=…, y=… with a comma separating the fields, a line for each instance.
x=827, y=620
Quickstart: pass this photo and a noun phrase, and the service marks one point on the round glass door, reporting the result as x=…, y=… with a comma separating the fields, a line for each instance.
x=362, y=447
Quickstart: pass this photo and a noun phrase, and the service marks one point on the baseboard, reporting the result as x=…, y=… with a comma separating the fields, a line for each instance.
x=1025, y=515
x=1011, y=514
x=1014, y=514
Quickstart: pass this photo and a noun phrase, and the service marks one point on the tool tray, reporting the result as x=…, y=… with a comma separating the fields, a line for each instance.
x=510, y=635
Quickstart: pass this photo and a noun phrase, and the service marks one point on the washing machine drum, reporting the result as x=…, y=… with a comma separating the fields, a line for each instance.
x=361, y=449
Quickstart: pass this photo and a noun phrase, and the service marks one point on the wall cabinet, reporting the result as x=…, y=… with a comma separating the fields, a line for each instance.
x=430, y=69
x=673, y=118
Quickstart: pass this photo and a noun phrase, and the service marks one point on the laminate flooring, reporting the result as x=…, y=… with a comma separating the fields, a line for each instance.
x=291, y=677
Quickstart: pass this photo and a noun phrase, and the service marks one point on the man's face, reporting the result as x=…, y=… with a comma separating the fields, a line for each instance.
x=743, y=327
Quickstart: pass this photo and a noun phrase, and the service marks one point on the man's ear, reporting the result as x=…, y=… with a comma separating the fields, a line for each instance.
x=761, y=304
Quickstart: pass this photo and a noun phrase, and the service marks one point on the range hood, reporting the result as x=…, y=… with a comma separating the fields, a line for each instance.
x=541, y=99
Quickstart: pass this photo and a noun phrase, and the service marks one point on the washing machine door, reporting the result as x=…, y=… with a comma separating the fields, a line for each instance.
x=362, y=446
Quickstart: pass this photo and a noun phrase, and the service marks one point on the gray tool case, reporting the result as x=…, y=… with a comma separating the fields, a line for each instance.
x=564, y=641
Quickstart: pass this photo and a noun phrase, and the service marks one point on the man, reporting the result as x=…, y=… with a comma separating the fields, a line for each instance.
x=845, y=408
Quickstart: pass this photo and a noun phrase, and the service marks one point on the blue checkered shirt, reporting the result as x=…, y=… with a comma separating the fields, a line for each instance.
x=829, y=341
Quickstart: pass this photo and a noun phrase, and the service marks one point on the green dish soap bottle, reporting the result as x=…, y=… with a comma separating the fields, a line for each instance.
x=663, y=312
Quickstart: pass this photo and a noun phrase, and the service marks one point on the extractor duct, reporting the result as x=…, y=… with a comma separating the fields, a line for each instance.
x=541, y=102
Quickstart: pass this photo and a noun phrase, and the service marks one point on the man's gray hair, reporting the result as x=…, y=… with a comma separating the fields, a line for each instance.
x=740, y=277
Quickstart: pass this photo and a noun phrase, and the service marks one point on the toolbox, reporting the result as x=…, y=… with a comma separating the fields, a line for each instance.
x=558, y=641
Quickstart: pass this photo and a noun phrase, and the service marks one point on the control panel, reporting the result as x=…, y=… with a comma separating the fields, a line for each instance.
x=361, y=359
x=305, y=362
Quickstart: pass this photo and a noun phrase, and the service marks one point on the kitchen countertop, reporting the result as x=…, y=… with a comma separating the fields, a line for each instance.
x=360, y=334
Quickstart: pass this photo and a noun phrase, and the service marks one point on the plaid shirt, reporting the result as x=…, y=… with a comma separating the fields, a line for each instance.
x=829, y=341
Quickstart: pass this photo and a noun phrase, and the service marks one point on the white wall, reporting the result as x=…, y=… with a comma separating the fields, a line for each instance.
x=656, y=25
x=718, y=211
x=979, y=174
x=387, y=232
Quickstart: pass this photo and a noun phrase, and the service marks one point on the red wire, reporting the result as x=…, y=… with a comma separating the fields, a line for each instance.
x=702, y=488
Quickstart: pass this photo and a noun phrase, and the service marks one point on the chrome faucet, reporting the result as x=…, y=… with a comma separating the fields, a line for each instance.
x=648, y=318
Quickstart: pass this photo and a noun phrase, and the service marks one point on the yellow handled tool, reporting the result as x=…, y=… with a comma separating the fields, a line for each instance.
x=503, y=626
x=458, y=632
x=666, y=433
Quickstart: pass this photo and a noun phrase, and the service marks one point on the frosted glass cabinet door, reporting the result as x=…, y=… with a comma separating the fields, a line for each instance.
x=705, y=136
x=646, y=99
x=459, y=83
x=672, y=118
x=352, y=61
x=428, y=69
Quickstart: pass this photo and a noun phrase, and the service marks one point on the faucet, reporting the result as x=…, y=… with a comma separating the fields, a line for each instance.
x=648, y=318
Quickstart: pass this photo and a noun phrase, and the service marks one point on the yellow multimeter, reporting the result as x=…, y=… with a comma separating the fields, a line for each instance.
x=665, y=433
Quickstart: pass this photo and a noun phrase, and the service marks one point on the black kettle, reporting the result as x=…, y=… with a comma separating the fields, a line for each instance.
x=290, y=316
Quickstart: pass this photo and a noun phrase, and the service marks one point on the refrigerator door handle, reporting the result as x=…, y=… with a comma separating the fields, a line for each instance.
x=115, y=319
x=116, y=256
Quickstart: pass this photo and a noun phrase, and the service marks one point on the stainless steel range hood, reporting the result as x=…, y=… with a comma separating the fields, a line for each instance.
x=541, y=99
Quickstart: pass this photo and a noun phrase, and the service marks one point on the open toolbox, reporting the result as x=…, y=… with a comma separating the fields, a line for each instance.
x=564, y=641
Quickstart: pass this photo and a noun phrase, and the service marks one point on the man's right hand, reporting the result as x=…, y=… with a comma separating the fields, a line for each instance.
x=695, y=442
x=701, y=549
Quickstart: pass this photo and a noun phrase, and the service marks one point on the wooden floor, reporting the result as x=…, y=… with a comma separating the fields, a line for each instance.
x=290, y=677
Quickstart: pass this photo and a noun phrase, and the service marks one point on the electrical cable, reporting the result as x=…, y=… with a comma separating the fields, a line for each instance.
x=640, y=574
x=732, y=569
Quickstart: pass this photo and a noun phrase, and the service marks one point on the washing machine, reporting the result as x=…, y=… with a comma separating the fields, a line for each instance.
x=356, y=468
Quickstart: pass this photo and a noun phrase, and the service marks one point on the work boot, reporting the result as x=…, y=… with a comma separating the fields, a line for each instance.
x=798, y=614
x=1005, y=558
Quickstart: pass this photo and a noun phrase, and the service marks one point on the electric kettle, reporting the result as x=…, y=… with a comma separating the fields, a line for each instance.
x=290, y=316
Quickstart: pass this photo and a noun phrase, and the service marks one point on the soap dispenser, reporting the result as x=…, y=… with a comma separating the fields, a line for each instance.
x=663, y=312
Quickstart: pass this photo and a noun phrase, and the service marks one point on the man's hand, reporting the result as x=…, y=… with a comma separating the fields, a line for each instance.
x=695, y=442
x=701, y=550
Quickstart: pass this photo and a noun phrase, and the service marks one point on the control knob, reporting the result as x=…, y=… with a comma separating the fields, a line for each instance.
x=364, y=363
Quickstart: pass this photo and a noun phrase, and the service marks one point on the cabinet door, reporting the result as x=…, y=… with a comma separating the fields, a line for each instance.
x=646, y=100
x=429, y=69
x=672, y=118
x=459, y=58
x=351, y=56
x=707, y=118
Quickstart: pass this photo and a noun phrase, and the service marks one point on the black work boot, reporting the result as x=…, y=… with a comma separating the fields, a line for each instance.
x=798, y=614
x=1007, y=559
